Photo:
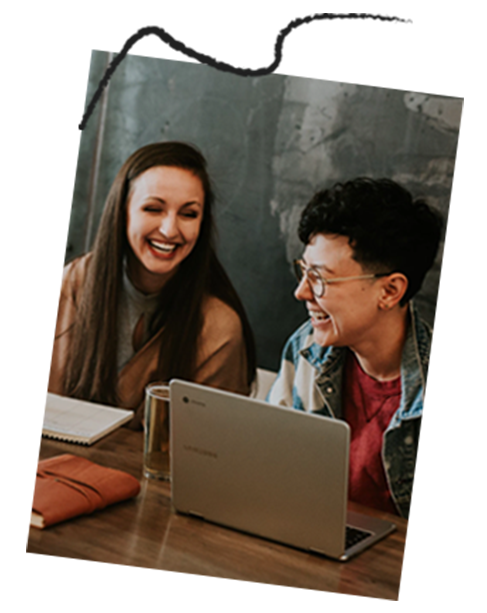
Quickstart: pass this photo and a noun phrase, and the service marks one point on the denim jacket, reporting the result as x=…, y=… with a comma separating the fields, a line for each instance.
x=310, y=379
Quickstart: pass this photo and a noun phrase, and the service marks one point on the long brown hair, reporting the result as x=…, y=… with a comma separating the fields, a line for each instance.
x=91, y=370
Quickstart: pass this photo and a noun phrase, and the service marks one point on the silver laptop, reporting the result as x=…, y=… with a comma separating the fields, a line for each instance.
x=271, y=471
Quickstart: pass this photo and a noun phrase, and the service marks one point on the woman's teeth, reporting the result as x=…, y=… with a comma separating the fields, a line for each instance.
x=164, y=247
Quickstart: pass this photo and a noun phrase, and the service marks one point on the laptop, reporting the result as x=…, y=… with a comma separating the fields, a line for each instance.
x=271, y=471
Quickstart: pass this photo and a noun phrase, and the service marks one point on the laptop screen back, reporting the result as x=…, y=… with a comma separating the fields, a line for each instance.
x=271, y=471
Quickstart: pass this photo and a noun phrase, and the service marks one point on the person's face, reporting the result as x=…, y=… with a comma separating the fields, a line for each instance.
x=164, y=215
x=347, y=312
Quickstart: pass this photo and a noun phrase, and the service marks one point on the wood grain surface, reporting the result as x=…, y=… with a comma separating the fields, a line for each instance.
x=147, y=532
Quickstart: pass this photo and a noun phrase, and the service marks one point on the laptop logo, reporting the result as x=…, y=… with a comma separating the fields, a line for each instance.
x=200, y=404
x=200, y=451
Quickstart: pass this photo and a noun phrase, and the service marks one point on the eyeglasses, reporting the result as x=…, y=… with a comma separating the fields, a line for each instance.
x=318, y=283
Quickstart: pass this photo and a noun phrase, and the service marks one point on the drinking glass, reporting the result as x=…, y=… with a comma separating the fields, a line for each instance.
x=156, y=431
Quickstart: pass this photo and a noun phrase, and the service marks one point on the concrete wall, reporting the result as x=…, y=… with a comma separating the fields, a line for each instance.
x=271, y=142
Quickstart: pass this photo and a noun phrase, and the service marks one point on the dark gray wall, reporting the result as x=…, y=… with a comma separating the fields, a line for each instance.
x=270, y=143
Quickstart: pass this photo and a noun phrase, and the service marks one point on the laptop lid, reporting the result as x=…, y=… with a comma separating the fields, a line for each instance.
x=271, y=471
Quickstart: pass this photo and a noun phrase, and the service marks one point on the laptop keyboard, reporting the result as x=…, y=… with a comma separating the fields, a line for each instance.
x=354, y=536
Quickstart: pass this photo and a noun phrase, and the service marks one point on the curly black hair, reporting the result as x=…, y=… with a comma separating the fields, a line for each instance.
x=387, y=229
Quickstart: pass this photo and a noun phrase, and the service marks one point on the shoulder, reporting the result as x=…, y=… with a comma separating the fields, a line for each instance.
x=74, y=277
x=221, y=358
x=300, y=339
x=219, y=318
x=284, y=391
x=74, y=274
x=422, y=334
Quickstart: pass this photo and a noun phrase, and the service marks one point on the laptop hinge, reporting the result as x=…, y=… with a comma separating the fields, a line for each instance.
x=196, y=514
x=314, y=550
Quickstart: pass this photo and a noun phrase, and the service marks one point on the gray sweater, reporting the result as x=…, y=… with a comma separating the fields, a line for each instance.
x=133, y=305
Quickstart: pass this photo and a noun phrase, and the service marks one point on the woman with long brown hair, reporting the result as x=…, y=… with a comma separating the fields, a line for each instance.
x=151, y=301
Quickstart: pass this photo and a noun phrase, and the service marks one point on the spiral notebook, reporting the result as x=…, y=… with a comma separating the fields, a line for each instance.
x=79, y=421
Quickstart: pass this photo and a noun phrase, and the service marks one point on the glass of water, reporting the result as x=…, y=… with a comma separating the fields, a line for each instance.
x=156, y=431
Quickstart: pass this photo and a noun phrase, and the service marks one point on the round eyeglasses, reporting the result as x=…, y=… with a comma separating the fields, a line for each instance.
x=318, y=283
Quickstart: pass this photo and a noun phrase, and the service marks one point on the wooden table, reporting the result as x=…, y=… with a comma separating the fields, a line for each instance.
x=146, y=532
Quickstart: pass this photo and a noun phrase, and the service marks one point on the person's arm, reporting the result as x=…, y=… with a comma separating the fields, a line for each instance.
x=281, y=392
x=73, y=276
x=221, y=359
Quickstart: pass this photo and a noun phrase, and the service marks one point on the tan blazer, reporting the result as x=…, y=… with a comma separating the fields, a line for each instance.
x=221, y=358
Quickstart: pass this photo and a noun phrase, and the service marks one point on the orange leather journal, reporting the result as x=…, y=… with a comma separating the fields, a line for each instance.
x=68, y=486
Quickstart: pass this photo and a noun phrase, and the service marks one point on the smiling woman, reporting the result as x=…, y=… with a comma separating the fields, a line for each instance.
x=164, y=213
x=151, y=301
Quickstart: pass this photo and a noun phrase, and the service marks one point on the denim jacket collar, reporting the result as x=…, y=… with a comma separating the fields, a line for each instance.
x=329, y=362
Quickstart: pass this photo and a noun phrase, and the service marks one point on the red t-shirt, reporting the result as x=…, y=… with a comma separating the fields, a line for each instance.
x=368, y=407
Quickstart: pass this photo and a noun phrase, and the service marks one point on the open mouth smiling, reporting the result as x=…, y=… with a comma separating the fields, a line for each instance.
x=318, y=316
x=162, y=247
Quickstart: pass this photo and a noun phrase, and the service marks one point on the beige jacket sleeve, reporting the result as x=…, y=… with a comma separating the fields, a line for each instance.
x=73, y=277
x=222, y=360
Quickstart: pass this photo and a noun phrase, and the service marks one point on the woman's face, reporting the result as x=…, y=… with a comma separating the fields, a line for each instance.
x=164, y=214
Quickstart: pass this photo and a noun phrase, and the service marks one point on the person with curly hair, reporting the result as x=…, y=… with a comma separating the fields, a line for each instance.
x=362, y=355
